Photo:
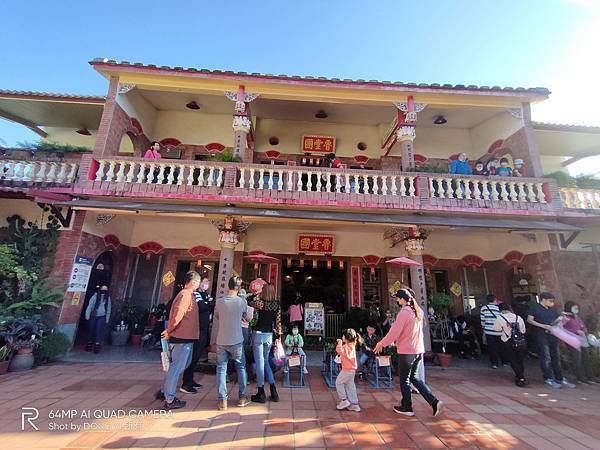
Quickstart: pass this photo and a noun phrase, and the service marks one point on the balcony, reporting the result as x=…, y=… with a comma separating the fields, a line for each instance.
x=309, y=186
x=38, y=173
x=580, y=199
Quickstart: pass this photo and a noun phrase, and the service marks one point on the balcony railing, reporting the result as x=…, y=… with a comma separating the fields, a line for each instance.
x=316, y=186
x=575, y=198
x=18, y=172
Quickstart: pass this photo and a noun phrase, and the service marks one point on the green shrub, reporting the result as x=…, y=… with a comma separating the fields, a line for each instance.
x=51, y=346
x=47, y=146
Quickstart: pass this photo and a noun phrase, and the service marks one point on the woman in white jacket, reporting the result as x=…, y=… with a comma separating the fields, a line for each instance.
x=505, y=323
x=97, y=314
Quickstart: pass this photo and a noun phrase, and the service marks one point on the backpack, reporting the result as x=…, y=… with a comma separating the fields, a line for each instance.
x=517, y=339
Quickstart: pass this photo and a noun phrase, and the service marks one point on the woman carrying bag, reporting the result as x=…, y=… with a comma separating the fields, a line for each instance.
x=513, y=341
x=97, y=314
x=268, y=320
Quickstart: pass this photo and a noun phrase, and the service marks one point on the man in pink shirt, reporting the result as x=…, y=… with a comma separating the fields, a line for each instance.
x=407, y=333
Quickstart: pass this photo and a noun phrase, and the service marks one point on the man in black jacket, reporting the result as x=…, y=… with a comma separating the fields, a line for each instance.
x=206, y=306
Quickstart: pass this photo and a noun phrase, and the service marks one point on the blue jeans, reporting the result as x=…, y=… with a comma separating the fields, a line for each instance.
x=180, y=357
x=97, y=324
x=549, y=356
x=362, y=360
x=410, y=372
x=236, y=354
x=260, y=348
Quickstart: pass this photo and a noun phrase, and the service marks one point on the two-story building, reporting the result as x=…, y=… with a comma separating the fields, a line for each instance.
x=245, y=184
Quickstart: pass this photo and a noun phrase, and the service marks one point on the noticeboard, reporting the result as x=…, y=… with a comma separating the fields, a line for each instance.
x=314, y=319
x=80, y=275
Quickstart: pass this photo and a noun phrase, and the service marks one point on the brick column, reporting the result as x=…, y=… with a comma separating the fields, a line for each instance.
x=66, y=250
x=230, y=231
x=241, y=128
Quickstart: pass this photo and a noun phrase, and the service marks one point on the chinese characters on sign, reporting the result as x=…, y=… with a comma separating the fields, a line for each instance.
x=315, y=244
x=355, y=283
x=318, y=144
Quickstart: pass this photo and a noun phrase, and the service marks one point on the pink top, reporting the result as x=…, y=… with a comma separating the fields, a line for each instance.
x=574, y=324
x=296, y=312
x=347, y=354
x=151, y=154
x=407, y=332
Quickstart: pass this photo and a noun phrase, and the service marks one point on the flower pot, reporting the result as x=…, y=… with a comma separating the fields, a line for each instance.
x=4, y=366
x=445, y=359
x=136, y=339
x=23, y=360
x=119, y=338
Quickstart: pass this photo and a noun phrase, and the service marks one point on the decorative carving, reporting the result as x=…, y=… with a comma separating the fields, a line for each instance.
x=230, y=231
x=241, y=98
x=124, y=88
x=103, y=219
x=403, y=106
x=406, y=133
x=413, y=238
x=517, y=113
x=241, y=123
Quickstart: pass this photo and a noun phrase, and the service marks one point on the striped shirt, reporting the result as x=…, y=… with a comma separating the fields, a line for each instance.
x=489, y=314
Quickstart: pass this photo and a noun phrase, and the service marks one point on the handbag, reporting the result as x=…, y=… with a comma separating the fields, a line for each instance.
x=278, y=352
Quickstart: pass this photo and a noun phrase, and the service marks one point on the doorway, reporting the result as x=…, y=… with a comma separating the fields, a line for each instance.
x=206, y=270
x=100, y=275
x=318, y=284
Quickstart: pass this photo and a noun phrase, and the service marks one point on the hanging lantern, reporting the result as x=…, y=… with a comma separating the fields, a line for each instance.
x=289, y=262
x=341, y=264
x=302, y=263
x=199, y=263
x=329, y=264
x=314, y=263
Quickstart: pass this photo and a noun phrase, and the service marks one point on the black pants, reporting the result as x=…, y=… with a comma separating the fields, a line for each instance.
x=409, y=373
x=580, y=363
x=188, y=374
x=462, y=341
x=495, y=349
x=515, y=359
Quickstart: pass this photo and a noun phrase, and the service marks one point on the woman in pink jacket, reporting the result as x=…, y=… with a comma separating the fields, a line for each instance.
x=407, y=333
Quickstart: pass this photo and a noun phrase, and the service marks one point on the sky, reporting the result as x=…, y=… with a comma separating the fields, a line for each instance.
x=45, y=46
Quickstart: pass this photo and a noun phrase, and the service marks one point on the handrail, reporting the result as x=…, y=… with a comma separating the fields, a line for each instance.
x=32, y=171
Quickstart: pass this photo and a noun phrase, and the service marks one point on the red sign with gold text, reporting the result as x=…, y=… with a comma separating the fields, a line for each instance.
x=318, y=144
x=315, y=244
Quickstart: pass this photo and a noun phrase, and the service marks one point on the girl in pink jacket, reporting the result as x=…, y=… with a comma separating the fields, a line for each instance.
x=344, y=383
x=407, y=333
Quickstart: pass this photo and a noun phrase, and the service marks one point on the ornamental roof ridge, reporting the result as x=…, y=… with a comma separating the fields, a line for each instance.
x=461, y=87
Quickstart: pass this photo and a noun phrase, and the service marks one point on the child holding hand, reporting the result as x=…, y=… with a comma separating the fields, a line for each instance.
x=344, y=383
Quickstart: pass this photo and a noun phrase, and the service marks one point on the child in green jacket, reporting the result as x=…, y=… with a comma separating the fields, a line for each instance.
x=293, y=346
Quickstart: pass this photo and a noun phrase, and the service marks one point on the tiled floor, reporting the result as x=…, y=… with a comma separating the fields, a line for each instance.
x=483, y=411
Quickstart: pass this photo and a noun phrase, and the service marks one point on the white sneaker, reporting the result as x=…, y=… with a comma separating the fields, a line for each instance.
x=354, y=408
x=566, y=383
x=305, y=370
x=343, y=404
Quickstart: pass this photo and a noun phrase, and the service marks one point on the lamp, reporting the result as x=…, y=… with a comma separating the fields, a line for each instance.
x=84, y=131
x=439, y=120
x=192, y=105
x=321, y=114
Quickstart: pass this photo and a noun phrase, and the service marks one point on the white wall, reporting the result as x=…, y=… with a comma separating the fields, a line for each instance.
x=194, y=127
x=135, y=105
x=500, y=126
x=70, y=136
x=443, y=142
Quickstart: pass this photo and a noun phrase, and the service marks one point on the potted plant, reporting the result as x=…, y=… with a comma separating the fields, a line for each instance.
x=135, y=318
x=22, y=334
x=442, y=304
x=5, y=354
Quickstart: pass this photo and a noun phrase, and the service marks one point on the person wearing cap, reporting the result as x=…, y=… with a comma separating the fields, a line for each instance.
x=518, y=170
x=407, y=333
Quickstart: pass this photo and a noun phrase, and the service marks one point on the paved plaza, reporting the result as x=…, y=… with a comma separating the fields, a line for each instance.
x=483, y=410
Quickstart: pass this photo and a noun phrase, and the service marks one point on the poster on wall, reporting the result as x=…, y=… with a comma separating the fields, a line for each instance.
x=314, y=319
x=80, y=275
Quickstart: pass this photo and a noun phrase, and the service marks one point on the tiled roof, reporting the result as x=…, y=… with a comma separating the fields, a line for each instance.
x=50, y=95
x=228, y=73
x=565, y=127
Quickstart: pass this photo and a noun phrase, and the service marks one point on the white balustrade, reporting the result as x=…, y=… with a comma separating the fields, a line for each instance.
x=576, y=198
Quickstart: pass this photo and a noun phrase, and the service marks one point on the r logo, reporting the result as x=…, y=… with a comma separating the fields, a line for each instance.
x=29, y=414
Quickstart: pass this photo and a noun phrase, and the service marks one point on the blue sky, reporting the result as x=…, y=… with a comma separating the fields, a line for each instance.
x=45, y=46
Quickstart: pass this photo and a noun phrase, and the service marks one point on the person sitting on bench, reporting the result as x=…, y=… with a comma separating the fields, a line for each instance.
x=293, y=346
x=369, y=341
